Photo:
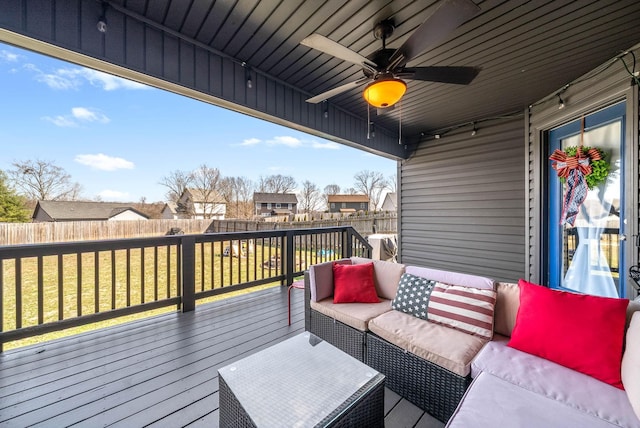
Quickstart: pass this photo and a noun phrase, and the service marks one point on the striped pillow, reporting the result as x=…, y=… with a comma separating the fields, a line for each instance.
x=466, y=309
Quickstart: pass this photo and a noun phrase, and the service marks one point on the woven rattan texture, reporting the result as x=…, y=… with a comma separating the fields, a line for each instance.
x=427, y=385
x=231, y=412
x=343, y=337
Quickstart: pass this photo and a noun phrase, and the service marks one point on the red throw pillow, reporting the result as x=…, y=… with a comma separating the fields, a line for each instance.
x=354, y=284
x=579, y=331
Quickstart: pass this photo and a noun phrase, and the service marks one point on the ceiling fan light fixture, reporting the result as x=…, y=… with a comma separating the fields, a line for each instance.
x=384, y=92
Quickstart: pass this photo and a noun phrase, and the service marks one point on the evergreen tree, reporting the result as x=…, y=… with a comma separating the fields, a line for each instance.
x=12, y=208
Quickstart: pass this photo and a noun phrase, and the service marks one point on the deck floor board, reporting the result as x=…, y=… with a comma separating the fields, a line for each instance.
x=159, y=371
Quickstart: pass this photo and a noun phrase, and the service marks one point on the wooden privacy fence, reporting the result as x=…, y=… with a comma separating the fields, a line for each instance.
x=365, y=225
x=38, y=233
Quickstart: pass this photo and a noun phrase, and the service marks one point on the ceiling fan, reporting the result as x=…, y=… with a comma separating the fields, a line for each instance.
x=385, y=69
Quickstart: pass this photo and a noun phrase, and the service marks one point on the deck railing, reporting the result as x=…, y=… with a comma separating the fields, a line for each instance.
x=51, y=287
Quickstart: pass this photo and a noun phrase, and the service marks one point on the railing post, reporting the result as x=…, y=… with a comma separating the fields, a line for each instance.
x=188, y=268
x=289, y=257
x=347, y=242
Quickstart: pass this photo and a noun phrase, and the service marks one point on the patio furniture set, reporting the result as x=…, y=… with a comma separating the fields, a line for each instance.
x=469, y=351
x=526, y=371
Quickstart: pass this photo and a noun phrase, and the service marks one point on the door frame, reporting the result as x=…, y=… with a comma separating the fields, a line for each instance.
x=536, y=162
x=554, y=194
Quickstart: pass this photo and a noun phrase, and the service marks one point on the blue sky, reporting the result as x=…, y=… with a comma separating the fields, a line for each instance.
x=119, y=138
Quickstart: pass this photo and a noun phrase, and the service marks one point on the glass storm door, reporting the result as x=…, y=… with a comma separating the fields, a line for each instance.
x=588, y=256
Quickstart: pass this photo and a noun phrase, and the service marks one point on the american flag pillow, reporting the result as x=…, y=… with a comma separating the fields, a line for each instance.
x=466, y=309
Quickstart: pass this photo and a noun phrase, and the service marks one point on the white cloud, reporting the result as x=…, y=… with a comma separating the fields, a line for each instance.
x=89, y=115
x=114, y=195
x=74, y=78
x=61, y=121
x=250, y=142
x=8, y=56
x=103, y=162
x=78, y=116
x=329, y=145
x=285, y=141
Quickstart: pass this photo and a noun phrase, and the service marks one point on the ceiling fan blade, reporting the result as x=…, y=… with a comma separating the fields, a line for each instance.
x=336, y=91
x=457, y=75
x=328, y=46
x=449, y=15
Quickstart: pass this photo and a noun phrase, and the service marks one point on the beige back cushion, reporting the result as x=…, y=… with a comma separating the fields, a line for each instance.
x=631, y=364
x=386, y=276
x=507, y=304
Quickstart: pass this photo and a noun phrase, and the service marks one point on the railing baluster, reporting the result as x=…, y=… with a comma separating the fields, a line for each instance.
x=202, y=267
x=79, y=284
x=188, y=245
x=212, y=264
x=168, y=247
x=128, y=276
x=142, y=290
x=155, y=273
x=96, y=286
x=18, y=285
x=40, y=292
x=60, y=287
x=113, y=279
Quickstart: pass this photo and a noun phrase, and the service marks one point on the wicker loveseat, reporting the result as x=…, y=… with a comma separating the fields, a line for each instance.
x=433, y=366
x=427, y=363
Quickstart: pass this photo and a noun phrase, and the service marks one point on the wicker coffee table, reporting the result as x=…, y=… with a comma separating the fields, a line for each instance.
x=301, y=382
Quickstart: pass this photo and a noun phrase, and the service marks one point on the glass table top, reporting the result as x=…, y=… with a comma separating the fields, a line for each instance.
x=298, y=382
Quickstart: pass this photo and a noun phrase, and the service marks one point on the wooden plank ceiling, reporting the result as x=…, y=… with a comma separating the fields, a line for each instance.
x=526, y=49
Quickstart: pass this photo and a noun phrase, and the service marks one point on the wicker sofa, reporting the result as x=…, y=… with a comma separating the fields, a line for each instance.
x=427, y=363
x=433, y=366
x=524, y=390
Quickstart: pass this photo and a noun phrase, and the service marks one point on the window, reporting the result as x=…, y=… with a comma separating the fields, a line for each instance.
x=333, y=204
x=344, y=205
x=289, y=206
x=269, y=206
x=363, y=205
x=278, y=205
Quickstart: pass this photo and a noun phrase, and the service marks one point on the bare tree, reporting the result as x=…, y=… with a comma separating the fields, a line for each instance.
x=207, y=182
x=176, y=183
x=370, y=183
x=331, y=189
x=43, y=180
x=310, y=197
x=277, y=184
x=238, y=193
x=392, y=183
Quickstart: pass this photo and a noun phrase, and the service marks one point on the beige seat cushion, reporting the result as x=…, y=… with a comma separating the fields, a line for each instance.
x=444, y=346
x=356, y=315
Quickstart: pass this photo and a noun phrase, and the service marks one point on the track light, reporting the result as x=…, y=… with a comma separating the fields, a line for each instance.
x=475, y=130
x=249, y=82
x=102, y=21
x=437, y=136
x=560, y=102
x=372, y=130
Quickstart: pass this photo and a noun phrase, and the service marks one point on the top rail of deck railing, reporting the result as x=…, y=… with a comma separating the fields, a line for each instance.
x=50, y=287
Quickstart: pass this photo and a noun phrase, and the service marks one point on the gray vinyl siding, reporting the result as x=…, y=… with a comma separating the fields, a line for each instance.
x=462, y=202
x=586, y=95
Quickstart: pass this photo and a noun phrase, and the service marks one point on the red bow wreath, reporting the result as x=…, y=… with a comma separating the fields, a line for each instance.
x=574, y=169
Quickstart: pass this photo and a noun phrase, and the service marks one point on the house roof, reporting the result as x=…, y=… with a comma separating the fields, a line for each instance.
x=347, y=198
x=83, y=210
x=197, y=195
x=275, y=198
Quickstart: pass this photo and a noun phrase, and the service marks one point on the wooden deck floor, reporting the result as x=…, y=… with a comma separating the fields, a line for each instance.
x=158, y=372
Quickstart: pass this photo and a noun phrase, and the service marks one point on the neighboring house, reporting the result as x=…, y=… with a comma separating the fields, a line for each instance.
x=390, y=202
x=347, y=203
x=196, y=204
x=171, y=211
x=85, y=211
x=270, y=204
